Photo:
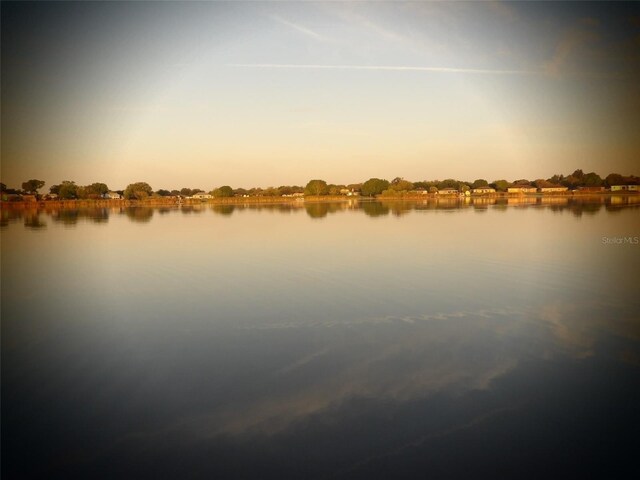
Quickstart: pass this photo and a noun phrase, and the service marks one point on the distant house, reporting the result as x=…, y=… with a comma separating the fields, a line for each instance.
x=421, y=191
x=591, y=189
x=201, y=196
x=112, y=196
x=521, y=189
x=553, y=189
x=448, y=191
x=625, y=188
x=50, y=196
x=484, y=190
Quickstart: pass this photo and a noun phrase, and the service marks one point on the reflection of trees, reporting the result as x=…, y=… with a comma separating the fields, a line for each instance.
x=317, y=210
x=186, y=209
x=32, y=220
x=9, y=215
x=400, y=208
x=322, y=209
x=223, y=209
x=375, y=209
x=139, y=214
x=98, y=215
x=66, y=216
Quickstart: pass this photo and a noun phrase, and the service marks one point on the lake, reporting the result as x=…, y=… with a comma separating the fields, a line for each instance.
x=445, y=339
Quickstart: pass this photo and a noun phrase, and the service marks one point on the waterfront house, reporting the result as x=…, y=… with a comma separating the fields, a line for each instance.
x=448, y=191
x=201, y=196
x=553, y=189
x=521, y=189
x=625, y=188
x=112, y=196
x=484, y=190
x=591, y=189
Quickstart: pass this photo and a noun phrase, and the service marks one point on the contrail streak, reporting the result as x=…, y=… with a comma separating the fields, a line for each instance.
x=386, y=68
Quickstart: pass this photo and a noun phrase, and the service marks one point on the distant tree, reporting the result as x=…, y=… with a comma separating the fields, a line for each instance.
x=542, y=183
x=32, y=186
x=240, y=191
x=3, y=187
x=374, y=186
x=223, y=192
x=334, y=189
x=163, y=193
x=401, y=185
x=137, y=191
x=578, y=174
x=614, y=179
x=556, y=179
x=522, y=182
x=54, y=189
x=186, y=192
x=97, y=189
x=448, y=183
x=316, y=187
x=592, y=179
x=68, y=190
x=354, y=187
x=285, y=190
x=271, y=192
x=572, y=181
x=500, y=185
x=479, y=183
x=175, y=192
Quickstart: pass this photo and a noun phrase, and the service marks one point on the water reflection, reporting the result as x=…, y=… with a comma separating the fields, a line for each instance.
x=448, y=344
x=577, y=206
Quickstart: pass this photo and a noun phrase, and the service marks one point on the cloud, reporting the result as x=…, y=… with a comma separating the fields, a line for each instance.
x=393, y=68
x=299, y=28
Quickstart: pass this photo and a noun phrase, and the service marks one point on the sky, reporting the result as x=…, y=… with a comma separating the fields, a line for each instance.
x=203, y=94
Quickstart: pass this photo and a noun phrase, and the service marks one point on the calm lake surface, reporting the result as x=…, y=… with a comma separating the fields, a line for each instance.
x=370, y=340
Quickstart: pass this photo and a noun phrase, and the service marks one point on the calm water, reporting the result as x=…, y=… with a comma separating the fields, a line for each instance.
x=323, y=341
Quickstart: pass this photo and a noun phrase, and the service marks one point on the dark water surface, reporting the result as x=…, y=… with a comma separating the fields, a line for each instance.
x=371, y=340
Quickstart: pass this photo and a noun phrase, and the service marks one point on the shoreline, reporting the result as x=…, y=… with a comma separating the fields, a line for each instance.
x=174, y=202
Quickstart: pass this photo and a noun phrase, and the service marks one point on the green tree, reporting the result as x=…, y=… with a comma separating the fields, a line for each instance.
x=479, y=183
x=592, y=179
x=96, y=189
x=316, y=187
x=500, y=185
x=32, y=186
x=137, y=191
x=542, y=183
x=163, y=193
x=374, y=186
x=401, y=185
x=614, y=179
x=223, y=192
x=572, y=181
x=68, y=190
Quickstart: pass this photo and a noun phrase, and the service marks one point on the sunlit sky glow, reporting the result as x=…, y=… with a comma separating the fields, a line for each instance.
x=272, y=93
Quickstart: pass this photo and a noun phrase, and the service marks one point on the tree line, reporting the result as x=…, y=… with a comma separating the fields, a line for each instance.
x=68, y=190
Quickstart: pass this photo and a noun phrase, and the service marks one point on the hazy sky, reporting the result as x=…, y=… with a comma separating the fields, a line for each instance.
x=271, y=93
